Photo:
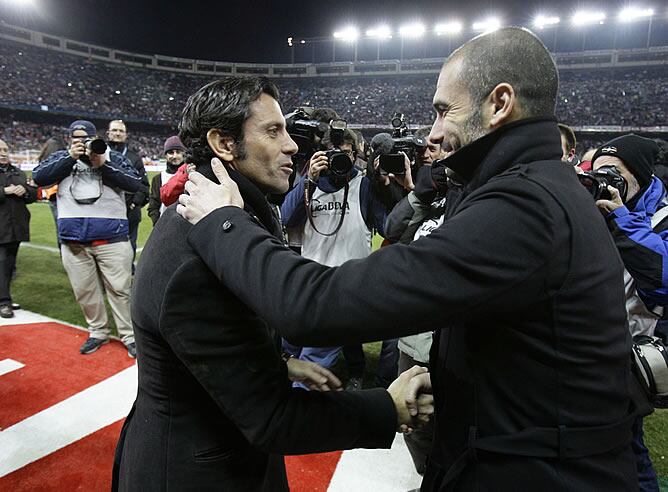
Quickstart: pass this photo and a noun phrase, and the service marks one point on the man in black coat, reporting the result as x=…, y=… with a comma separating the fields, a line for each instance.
x=215, y=409
x=531, y=368
x=15, y=193
x=117, y=134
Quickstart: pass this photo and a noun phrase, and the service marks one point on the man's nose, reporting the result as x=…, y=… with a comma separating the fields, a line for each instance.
x=292, y=147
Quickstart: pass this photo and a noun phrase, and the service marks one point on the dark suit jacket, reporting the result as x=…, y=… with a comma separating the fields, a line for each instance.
x=531, y=367
x=215, y=409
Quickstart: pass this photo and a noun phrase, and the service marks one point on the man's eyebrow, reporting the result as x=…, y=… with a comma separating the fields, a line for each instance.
x=441, y=106
x=273, y=123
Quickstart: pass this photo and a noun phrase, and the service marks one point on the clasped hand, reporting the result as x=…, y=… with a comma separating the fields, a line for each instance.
x=411, y=393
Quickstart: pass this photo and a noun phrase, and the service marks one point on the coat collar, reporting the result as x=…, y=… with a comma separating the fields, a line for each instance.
x=520, y=142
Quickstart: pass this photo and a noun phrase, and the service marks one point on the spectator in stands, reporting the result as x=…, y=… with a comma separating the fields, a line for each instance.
x=117, y=135
x=93, y=229
x=568, y=143
x=15, y=193
x=336, y=224
x=175, y=154
x=639, y=225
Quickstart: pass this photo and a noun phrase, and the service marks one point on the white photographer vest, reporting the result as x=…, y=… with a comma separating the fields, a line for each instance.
x=353, y=239
x=85, y=183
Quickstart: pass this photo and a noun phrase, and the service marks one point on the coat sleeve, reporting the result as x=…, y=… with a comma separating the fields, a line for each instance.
x=293, y=211
x=154, y=199
x=53, y=169
x=230, y=353
x=478, y=263
x=31, y=191
x=118, y=172
x=644, y=253
x=140, y=198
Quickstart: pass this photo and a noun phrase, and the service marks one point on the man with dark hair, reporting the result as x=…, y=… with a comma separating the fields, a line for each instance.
x=568, y=143
x=336, y=226
x=215, y=409
x=530, y=362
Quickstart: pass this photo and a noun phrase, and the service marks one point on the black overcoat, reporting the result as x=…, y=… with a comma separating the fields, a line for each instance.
x=531, y=368
x=215, y=409
x=14, y=215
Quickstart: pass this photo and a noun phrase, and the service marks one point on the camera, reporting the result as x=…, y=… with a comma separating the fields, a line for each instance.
x=597, y=182
x=93, y=146
x=402, y=141
x=339, y=162
x=303, y=129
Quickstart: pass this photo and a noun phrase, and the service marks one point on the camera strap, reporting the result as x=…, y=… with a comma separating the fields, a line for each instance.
x=309, y=189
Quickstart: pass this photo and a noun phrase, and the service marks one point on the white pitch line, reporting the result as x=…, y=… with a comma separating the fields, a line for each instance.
x=41, y=247
x=389, y=470
x=68, y=421
x=9, y=365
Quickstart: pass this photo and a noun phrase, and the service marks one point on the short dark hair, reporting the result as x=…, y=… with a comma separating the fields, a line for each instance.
x=348, y=137
x=223, y=104
x=423, y=132
x=513, y=55
x=569, y=134
x=325, y=115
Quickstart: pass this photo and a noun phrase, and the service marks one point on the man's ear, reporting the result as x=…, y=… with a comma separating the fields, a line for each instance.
x=504, y=105
x=222, y=146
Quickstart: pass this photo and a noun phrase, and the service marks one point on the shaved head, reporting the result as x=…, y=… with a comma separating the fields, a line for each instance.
x=515, y=56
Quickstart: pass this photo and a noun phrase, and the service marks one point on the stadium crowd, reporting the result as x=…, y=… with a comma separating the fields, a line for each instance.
x=34, y=77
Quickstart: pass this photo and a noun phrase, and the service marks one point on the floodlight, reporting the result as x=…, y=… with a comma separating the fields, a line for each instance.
x=290, y=41
x=303, y=41
x=633, y=13
x=545, y=20
x=487, y=25
x=583, y=18
x=379, y=32
x=450, y=28
x=348, y=34
x=414, y=30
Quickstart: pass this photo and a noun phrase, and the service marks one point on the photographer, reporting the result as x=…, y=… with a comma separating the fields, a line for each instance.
x=93, y=228
x=643, y=246
x=338, y=221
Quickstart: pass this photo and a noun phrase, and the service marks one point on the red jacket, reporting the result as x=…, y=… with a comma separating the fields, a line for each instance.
x=170, y=191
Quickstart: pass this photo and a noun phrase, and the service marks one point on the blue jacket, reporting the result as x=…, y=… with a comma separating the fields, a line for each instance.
x=102, y=219
x=643, y=249
x=374, y=213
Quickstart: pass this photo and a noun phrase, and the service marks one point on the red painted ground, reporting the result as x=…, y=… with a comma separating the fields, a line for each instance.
x=54, y=370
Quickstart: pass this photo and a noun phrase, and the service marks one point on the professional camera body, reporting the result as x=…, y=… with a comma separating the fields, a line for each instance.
x=597, y=182
x=339, y=162
x=93, y=146
x=307, y=134
x=403, y=141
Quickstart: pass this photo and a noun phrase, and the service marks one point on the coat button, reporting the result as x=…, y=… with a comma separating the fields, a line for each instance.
x=227, y=225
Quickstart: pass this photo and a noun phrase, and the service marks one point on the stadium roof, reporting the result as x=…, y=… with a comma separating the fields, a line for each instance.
x=257, y=31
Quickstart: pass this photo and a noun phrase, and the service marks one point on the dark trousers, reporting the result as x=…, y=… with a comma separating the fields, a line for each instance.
x=646, y=475
x=419, y=441
x=134, y=218
x=387, y=362
x=8, y=252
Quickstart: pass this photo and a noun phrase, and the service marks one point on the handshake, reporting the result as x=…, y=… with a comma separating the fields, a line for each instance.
x=410, y=392
x=412, y=397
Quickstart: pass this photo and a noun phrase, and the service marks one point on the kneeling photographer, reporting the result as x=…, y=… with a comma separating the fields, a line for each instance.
x=633, y=201
x=337, y=210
